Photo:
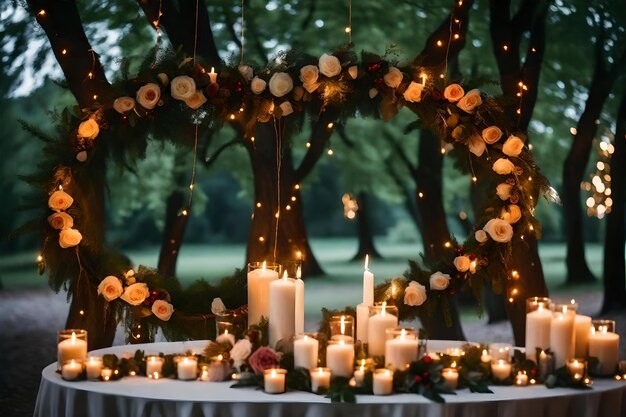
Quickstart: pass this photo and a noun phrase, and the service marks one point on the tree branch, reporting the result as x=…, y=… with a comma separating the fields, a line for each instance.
x=254, y=32
x=210, y=160
x=401, y=154
x=341, y=129
x=320, y=134
x=309, y=15
x=230, y=27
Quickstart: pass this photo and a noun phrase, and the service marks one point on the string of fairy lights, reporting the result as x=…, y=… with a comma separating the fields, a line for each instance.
x=600, y=200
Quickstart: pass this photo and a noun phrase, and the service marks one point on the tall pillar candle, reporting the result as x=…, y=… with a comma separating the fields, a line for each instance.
x=582, y=324
x=362, y=317
x=381, y=318
x=340, y=357
x=604, y=345
x=299, y=303
x=368, y=284
x=538, y=322
x=562, y=337
x=305, y=351
x=400, y=347
x=260, y=274
x=282, y=306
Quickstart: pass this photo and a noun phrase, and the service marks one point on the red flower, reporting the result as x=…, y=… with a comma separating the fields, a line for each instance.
x=263, y=358
x=418, y=379
x=427, y=359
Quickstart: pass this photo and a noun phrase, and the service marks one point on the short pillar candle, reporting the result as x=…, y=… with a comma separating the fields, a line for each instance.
x=500, y=369
x=187, y=368
x=93, y=367
x=450, y=378
x=305, y=351
x=72, y=370
x=340, y=356
x=72, y=344
x=401, y=347
x=538, y=322
x=604, y=345
x=274, y=380
x=382, y=317
x=383, y=382
x=260, y=274
x=154, y=366
x=320, y=379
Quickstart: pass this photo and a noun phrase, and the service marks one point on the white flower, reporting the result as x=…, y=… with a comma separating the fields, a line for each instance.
x=110, y=288
x=240, y=352
x=286, y=107
x=470, y=101
x=511, y=214
x=462, y=263
x=329, y=65
x=309, y=74
x=353, y=71
x=439, y=281
x=258, y=85
x=453, y=93
x=280, y=84
x=492, y=134
x=217, y=306
x=413, y=93
x=481, y=236
x=476, y=145
x=226, y=338
x=148, y=96
x=183, y=87
x=513, y=146
x=135, y=294
x=162, y=309
x=60, y=200
x=414, y=294
x=69, y=238
x=499, y=230
x=88, y=129
x=393, y=78
x=165, y=80
x=311, y=87
x=246, y=72
x=60, y=221
x=503, y=166
x=373, y=92
x=124, y=104
x=196, y=100
x=504, y=191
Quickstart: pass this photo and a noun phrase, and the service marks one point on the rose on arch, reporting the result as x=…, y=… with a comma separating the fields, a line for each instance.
x=504, y=190
x=462, y=263
x=148, y=96
x=280, y=84
x=503, y=166
x=393, y=78
x=240, y=352
x=415, y=294
x=196, y=100
x=439, y=281
x=88, y=129
x=309, y=74
x=257, y=85
x=135, y=294
x=511, y=214
x=353, y=71
x=60, y=200
x=499, y=230
x=110, y=288
x=476, y=145
x=182, y=87
x=246, y=72
x=453, y=93
x=413, y=93
x=491, y=134
x=162, y=309
x=263, y=358
x=481, y=236
x=69, y=238
x=286, y=108
x=329, y=65
x=513, y=146
x=470, y=101
x=217, y=306
x=60, y=221
x=123, y=104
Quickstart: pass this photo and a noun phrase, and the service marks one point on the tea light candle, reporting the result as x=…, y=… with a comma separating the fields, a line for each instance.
x=320, y=378
x=576, y=368
x=93, y=366
x=582, y=324
x=521, y=379
x=187, y=368
x=383, y=382
x=106, y=374
x=538, y=324
x=562, y=336
x=282, y=315
x=450, y=378
x=259, y=277
x=485, y=357
x=340, y=357
x=604, y=345
x=213, y=75
x=500, y=370
x=377, y=326
x=70, y=348
x=71, y=370
x=305, y=351
x=274, y=381
x=154, y=366
x=359, y=375
x=401, y=349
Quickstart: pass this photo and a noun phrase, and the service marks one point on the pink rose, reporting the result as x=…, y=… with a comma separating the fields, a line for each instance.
x=263, y=358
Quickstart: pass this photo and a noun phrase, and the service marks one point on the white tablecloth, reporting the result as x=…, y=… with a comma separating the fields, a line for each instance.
x=141, y=397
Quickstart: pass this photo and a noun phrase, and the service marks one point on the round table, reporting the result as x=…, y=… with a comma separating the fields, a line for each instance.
x=142, y=397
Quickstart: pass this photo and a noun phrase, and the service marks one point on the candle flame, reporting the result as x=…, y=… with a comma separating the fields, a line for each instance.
x=285, y=275
x=453, y=365
x=423, y=77
x=73, y=337
x=212, y=70
x=367, y=262
x=264, y=265
x=319, y=371
x=402, y=334
x=225, y=331
x=306, y=337
x=343, y=324
x=564, y=309
x=273, y=372
x=382, y=313
x=299, y=272
x=573, y=301
x=501, y=362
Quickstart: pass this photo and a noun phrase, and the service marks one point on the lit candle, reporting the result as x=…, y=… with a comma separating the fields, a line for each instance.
x=455, y=352
x=581, y=326
x=259, y=277
x=340, y=357
x=576, y=368
x=305, y=350
x=359, y=374
x=71, y=347
x=383, y=382
x=106, y=374
x=450, y=378
x=368, y=284
x=401, y=348
x=362, y=316
x=282, y=315
x=341, y=326
x=274, y=381
x=521, y=379
x=93, y=366
x=500, y=369
x=154, y=366
x=485, y=357
x=423, y=77
x=299, y=302
x=538, y=322
x=320, y=378
x=72, y=370
x=604, y=345
x=187, y=368
x=213, y=75
x=562, y=336
x=379, y=321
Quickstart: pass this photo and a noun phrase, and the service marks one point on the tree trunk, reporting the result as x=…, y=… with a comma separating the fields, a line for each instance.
x=614, y=239
x=173, y=232
x=366, y=236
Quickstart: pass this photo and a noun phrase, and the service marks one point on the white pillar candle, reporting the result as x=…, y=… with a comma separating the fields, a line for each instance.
x=72, y=370
x=368, y=284
x=538, y=324
x=582, y=324
x=154, y=366
x=576, y=368
x=305, y=351
x=340, y=357
x=362, y=317
x=320, y=378
x=521, y=379
x=485, y=357
x=604, y=345
x=259, y=291
x=401, y=349
x=562, y=337
x=274, y=381
x=282, y=298
x=213, y=75
x=500, y=369
x=383, y=382
x=450, y=378
x=299, y=318
x=359, y=376
x=106, y=374
x=187, y=368
x=93, y=366
x=377, y=326
x=72, y=348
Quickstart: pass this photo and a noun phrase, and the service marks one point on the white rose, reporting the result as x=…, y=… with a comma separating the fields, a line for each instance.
x=462, y=263
x=476, y=145
x=286, y=107
x=280, y=84
x=69, y=238
x=393, y=78
x=60, y=200
x=240, y=352
x=226, y=338
x=165, y=80
x=88, y=129
x=311, y=87
x=439, y=281
x=124, y=104
x=246, y=72
x=196, y=100
x=217, y=306
x=413, y=92
x=353, y=71
x=257, y=85
x=513, y=146
x=511, y=214
x=470, y=101
x=135, y=294
x=329, y=65
x=453, y=93
x=110, y=288
x=60, y=221
x=148, y=96
x=414, y=294
x=492, y=134
x=481, y=236
x=309, y=74
x=499, y=230
x=503, y=166
x=183, y=87
x=504, y=191
x=162, y=309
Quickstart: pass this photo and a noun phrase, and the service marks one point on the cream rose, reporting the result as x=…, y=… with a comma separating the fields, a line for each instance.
x=257, y=85
x=481, y=236
x=61, y=221
x=309, y=74
x=492, y=134
x=439, y=281
x=286, y=108
x=372, y=93
x=311, y=87
x=148, y=96
x=503, y=166
x=162, y=309
x=60, y=200
x=414, y=294
x=69, y=238
x=462, y=263
x=470, y=101
x=246, y=72
x=110, y=288
x=182, y=87
x=413, y=93
x=240, y=352
x=135, y=294
x=124, y=104
x=165, y=80
x=476, y=145
x=513, y=146
x=504, y=191
x=88, y=129
x=499, y=230
x=217, y=306
x=353, y=71
x=511, y=214
x=393, y=78
x=280, y=84
x=453, y=93
x=329, y=65
x=196, y=100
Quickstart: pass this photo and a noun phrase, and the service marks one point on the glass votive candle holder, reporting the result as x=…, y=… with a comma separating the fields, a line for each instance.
x=568, y=309
x=274, y=380
x=521, y=379
x=538, y=324
x=93, y=367
x=320, y=379
x=401, y=347
x=106, y=374
x=359, y=375
x=72, y=370
x=187, y=368
x=340, y=326
x=71, y=344
x=450, y=378
x=577, y=368
x=305, y=350
x=604, y=345
x=381, y=318
x=260, y=274
x=383, y=382
x=230, y=321
x=500, y=351
x=536, y=303
x=455, y=352
x=500, y=369
x=154, y=366
x=340, y=356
